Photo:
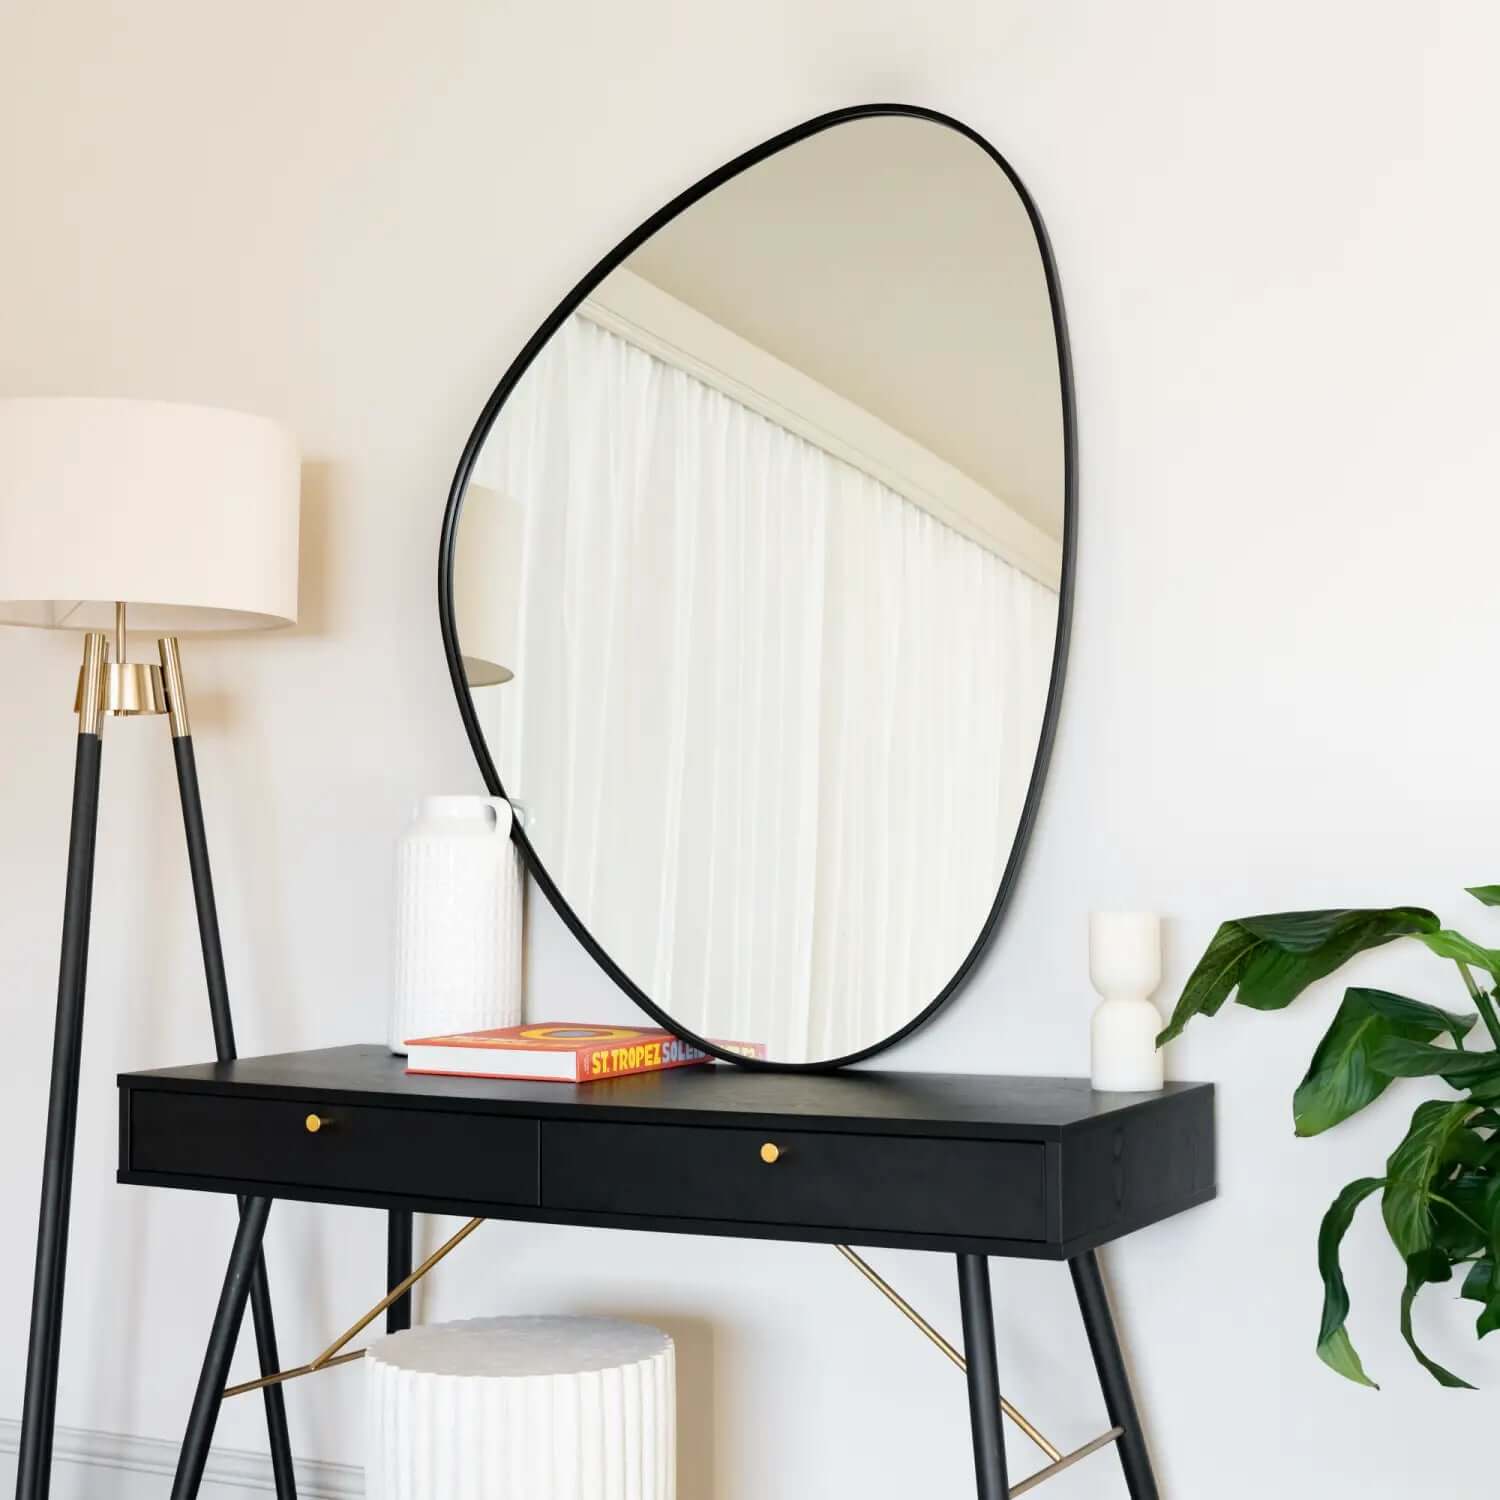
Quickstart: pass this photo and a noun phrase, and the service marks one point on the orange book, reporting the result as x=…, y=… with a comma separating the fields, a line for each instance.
x=564, y=1051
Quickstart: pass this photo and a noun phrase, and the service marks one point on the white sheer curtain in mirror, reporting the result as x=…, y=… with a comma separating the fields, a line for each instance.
x=762, y=703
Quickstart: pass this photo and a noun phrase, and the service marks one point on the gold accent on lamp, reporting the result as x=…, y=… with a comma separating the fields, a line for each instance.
x=89, y=701
x=171, y=671
x=133, y=687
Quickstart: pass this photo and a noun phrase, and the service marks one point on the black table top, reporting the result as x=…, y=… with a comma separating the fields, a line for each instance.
x=973, y=1105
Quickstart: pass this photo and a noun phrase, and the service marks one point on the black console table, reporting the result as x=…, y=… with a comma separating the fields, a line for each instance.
x=971, y=1166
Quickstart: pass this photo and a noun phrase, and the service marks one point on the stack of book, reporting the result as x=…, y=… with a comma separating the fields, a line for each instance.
x=563, y=1051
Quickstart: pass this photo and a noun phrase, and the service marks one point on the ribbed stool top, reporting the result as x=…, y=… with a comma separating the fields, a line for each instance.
x=525, y=1408
x=520, y=1347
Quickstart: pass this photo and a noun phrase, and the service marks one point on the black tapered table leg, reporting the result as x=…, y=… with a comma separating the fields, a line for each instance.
x=397, y=1268
x=39, y=1409
x=221, y=1341
x=984, y=1377
x=1119, y=1402
x=273, y=1396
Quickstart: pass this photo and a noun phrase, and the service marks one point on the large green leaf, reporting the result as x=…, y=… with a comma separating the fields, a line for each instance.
x=1272, y=959
x=1334, y=1347
x=1449, y=944
x=1468, y=1148
x=1461, y=1210
x=1299, y=948
x=1489, y=1319
x=1344, y=1075
x=1398, y=1057
x=1418, y=1013
x=1216, y=976
x=1480, y=1284
x=1418, y=1268
x=1489, y=894
x=1413, y=1169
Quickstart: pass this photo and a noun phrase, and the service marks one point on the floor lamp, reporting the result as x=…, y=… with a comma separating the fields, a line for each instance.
x=159, y=518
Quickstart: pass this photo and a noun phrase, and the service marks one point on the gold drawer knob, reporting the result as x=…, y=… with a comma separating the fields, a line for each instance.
x=314, y=1124
x=770, y=1153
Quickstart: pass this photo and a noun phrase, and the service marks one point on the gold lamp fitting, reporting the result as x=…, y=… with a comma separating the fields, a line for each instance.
x=88, y=702
x=122, y=688
x=134, y=687
x=118, y=687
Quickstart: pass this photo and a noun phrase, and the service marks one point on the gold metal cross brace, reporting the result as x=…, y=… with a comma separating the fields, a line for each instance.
x=331, y=1356
x=1059, y=1459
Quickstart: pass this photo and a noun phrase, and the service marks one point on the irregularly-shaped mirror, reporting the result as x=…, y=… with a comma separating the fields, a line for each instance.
x=759, y=573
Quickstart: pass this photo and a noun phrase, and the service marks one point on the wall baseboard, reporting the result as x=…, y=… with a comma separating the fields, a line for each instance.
x=90, y=1465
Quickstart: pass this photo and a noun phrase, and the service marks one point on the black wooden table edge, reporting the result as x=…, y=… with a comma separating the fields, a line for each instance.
x=1007, y=1249
x=592, y=1101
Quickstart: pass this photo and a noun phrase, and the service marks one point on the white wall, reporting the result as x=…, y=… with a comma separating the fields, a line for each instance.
x=1277, y=239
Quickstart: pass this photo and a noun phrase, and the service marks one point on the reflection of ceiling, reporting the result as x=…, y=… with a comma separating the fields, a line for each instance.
x=891, y=260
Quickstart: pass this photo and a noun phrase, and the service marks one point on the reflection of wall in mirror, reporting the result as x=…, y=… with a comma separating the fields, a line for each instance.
x=487, y=585
x=890, y=261
x=679, y=335
x=741, y=660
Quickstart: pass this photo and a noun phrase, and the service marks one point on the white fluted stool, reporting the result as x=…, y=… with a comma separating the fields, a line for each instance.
x=522, y=1409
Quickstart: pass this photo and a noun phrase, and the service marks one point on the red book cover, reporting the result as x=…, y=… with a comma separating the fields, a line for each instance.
x=564, y=1051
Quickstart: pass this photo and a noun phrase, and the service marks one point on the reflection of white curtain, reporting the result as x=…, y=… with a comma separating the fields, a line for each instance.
x=773, y=724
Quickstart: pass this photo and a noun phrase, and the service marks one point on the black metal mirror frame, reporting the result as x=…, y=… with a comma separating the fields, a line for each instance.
x=522, y=363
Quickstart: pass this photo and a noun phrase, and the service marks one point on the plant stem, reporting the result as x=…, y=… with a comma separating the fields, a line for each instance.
x=1484, y=1003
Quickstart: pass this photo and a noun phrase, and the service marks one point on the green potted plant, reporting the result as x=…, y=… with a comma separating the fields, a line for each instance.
x=1440, y=1191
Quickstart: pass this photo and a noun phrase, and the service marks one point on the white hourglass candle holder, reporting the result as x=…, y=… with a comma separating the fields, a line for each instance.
x=1125, y=969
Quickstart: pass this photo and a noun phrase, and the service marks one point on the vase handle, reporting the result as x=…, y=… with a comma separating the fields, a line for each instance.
x=504, y=816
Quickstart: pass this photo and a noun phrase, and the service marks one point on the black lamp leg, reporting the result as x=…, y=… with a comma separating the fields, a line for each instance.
x=397, y=1268
x=223, y=1026
x=221, y=1341
x=270, y=1362
x=984, y=1377
x=38, y=1416
x=1093, y=1303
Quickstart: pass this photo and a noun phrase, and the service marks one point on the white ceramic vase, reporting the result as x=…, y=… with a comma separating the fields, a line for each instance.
x=1125, y=968
x=459, y=884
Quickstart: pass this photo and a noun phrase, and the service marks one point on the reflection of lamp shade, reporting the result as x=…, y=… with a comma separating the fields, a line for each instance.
x=186, y=513
x=487, y=584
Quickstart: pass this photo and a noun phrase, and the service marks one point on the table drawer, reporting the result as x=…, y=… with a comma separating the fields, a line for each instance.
x=982, y=1189
x=357, y=1148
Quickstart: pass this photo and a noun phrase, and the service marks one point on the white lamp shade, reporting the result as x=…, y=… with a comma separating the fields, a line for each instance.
x=487, y=584
x=188, y=514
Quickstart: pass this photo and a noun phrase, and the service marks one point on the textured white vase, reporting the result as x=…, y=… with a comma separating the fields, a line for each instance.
x=1125, y=968
x=531, y=1408
x=459, y=884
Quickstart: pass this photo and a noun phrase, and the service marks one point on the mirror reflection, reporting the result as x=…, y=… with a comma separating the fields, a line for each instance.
x=756, y=585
